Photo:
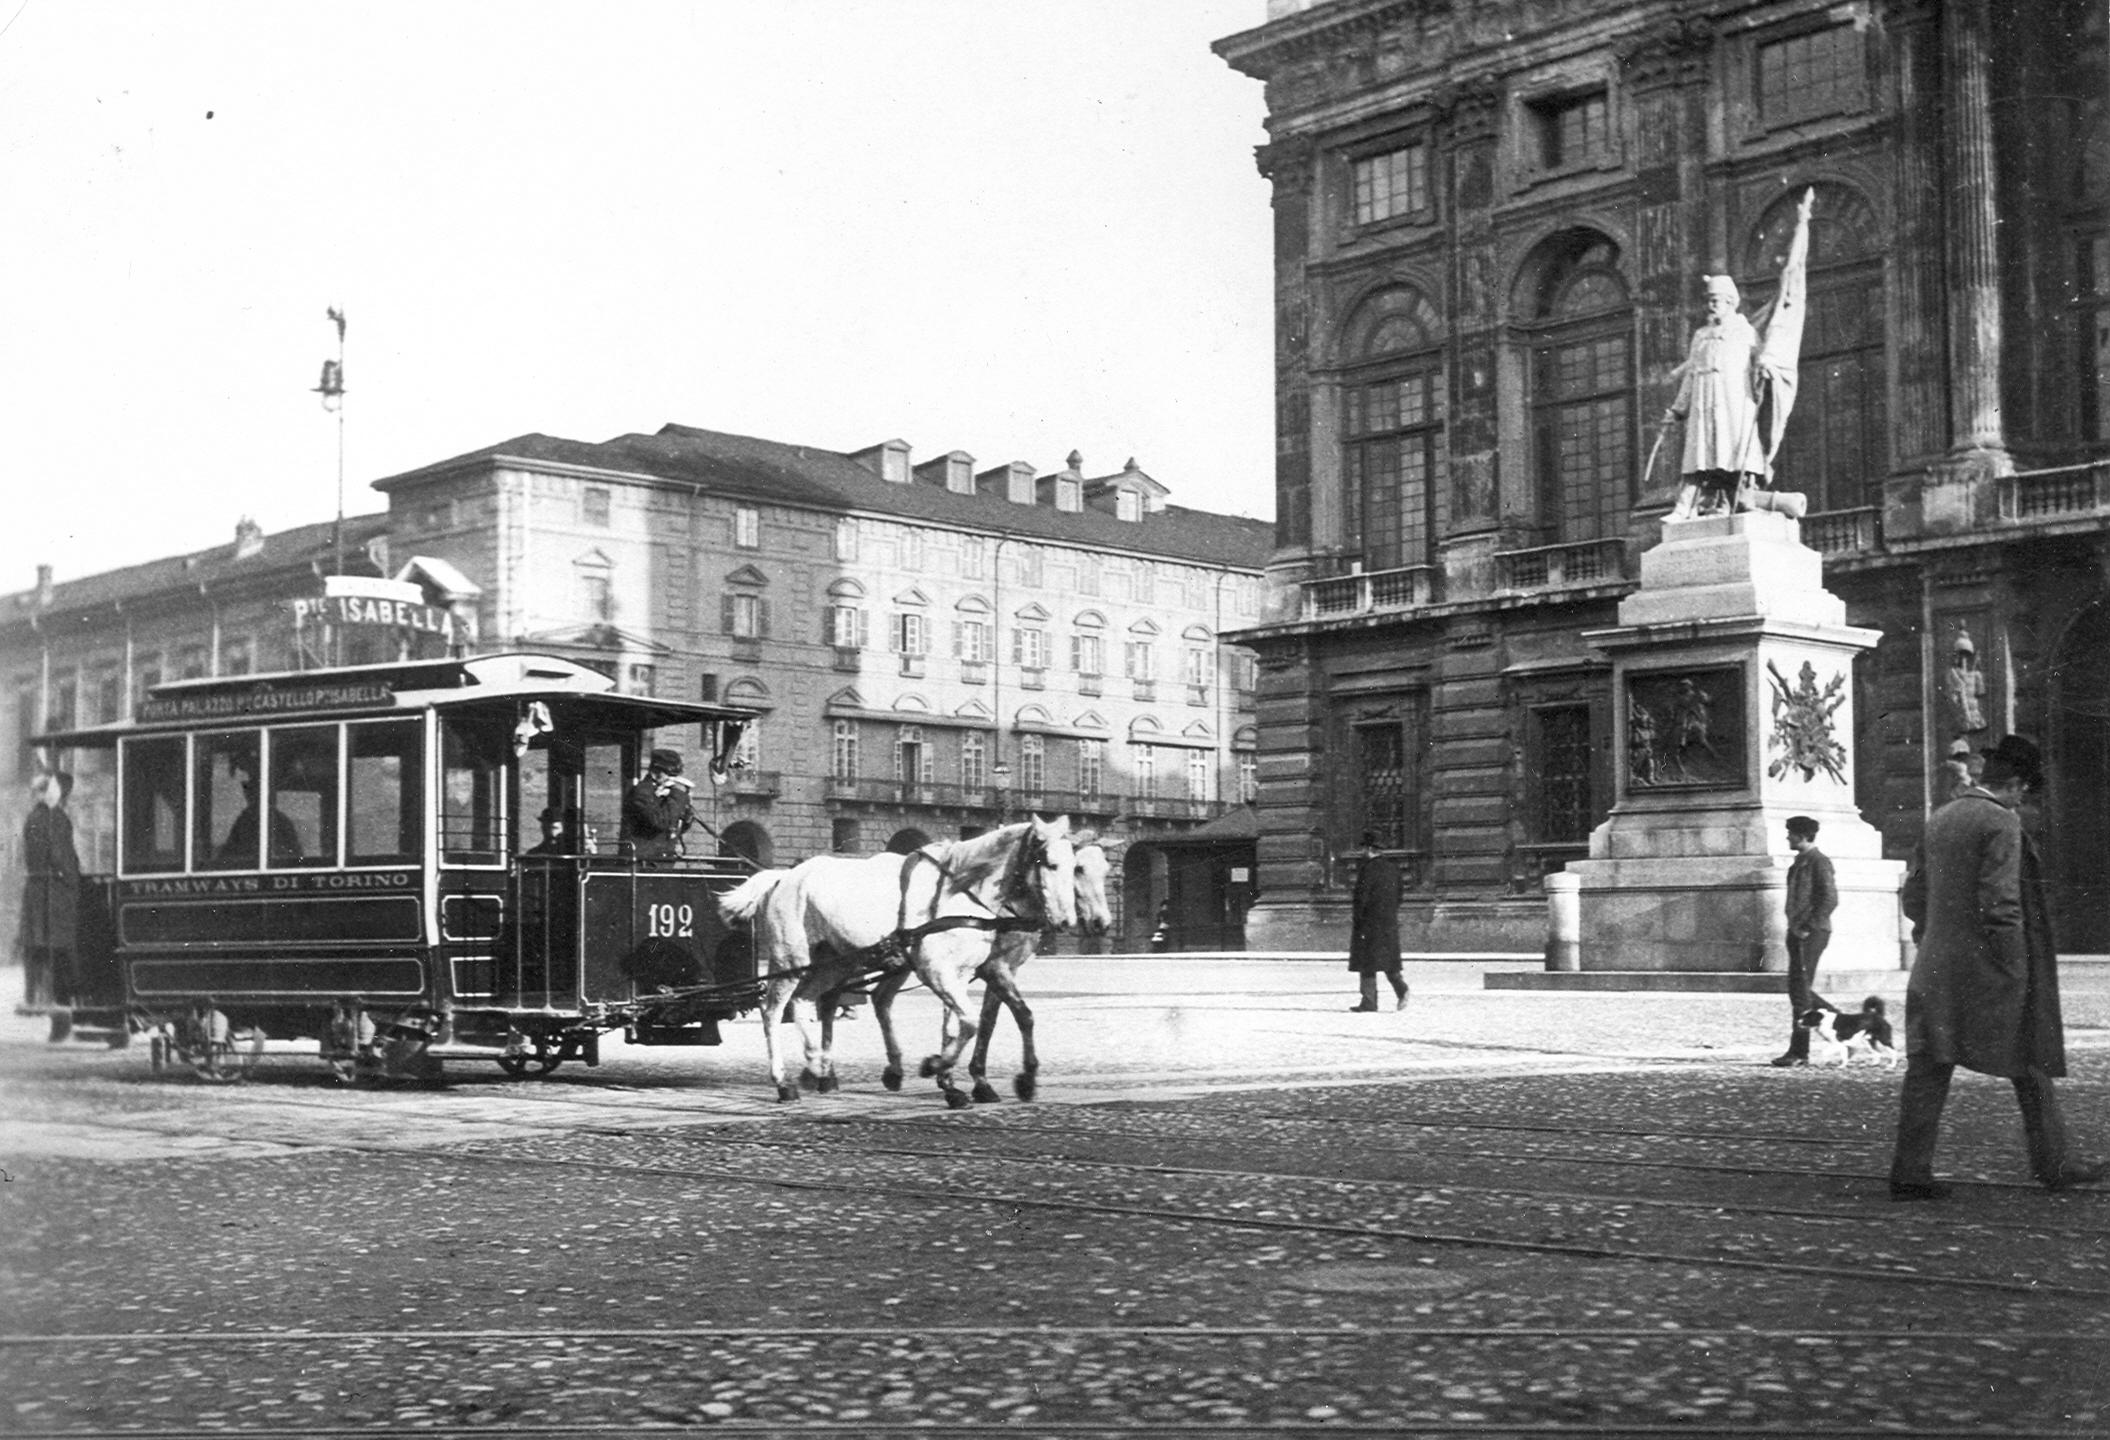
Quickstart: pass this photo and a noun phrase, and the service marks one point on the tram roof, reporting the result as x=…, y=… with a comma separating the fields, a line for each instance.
x=576, y=696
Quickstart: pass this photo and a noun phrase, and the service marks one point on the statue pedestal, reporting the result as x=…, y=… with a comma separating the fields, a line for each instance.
x=1732, y=677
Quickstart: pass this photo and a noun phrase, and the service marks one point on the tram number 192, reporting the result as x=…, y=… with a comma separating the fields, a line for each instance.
x=673, y=922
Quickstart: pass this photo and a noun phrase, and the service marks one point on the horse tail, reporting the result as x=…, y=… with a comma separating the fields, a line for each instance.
x=745, y=899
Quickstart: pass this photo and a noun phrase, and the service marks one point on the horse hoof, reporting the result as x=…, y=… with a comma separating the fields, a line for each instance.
x=787, y=1092
x=808, y=1080
x=930, y=1066
x=956, y=1100
x=985, y=1093
x=891, y=1077
x=826, y=1084
x=1026, y=1086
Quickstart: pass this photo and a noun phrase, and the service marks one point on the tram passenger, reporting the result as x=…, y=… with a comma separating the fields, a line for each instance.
x=656, y=811
x=240, y=843
x=556, y=835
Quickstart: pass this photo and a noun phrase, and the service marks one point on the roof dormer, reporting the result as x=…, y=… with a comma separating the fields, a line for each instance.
x=1065, y=488
x=888, y=460
x=1129, y=495
x=1014, y=482
x=952, y=471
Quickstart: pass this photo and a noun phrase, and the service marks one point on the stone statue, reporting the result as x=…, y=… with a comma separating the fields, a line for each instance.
x=1964, y=687
x=1735, y=390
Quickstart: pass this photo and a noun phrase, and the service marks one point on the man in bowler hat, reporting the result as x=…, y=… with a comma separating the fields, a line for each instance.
x=1373, y=942
x=1813, y=893
x=656, y=810
x=1984, y=992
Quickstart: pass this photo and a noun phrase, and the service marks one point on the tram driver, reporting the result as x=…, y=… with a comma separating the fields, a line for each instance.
x=656, y=811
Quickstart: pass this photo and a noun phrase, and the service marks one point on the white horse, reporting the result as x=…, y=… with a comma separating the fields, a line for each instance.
x=828, y=922
x=1000, y=978
x=997, y=967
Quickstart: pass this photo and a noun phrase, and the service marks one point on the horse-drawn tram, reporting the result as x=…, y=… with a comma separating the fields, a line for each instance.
x=398, y=864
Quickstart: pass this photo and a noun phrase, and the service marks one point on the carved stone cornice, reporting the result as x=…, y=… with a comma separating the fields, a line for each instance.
x=1469, y=110
x=1326, y=31
x=1288, y=162
x=1674, y=52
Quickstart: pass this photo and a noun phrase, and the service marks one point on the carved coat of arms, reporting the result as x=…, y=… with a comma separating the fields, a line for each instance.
x=1803, y=738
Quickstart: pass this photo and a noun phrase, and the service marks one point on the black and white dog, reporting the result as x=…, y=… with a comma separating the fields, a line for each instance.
x=1839, y=1035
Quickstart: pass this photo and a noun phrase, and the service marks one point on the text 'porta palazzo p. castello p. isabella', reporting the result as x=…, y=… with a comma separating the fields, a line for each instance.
x=1491, y=224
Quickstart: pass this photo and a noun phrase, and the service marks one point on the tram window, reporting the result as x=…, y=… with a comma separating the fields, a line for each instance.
x=607, y=780
x=224, y=830
x=304, y=795
x=153, y=780
x=384, y=794
x=472, y=778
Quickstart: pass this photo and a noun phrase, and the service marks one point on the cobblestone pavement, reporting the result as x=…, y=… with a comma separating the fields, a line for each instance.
x=1238, y=1209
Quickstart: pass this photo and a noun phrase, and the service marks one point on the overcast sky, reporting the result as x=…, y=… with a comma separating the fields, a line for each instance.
x=1011, y=227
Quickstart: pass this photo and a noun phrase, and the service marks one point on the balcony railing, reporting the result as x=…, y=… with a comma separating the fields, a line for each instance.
x=1844, y=532
x=755, y=783
x=1368, y=592
x=1158, y=807
x=1091, y=684
x=1556, y=567
x=2048, y=494
x=910, y=792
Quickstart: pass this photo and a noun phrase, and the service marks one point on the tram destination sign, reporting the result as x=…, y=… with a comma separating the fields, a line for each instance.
x=267, y=699
x=372, y=610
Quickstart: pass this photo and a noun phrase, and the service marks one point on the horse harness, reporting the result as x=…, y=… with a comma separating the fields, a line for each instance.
x=894, y=950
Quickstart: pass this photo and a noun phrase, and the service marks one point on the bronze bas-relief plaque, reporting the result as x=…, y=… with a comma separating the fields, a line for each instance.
x=1685, y=730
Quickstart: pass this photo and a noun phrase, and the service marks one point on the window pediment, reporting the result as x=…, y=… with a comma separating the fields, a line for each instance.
x=747, y=575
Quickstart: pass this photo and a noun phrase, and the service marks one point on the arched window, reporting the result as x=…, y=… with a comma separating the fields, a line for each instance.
x=1392, y=407
x=1574, y=303
x=1836, y=449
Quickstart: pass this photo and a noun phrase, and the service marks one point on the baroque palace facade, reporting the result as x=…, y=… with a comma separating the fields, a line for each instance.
x=935, y=648
x=1490, y=224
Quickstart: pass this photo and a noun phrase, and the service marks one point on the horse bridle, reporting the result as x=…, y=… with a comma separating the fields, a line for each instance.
x=1030, y=852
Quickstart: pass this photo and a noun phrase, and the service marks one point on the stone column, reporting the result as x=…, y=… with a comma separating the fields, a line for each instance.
x=1973, y=247
x=1290, y=164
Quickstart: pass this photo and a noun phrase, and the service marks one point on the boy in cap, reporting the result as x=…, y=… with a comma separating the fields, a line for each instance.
x=1813, y=894
x=656, y=810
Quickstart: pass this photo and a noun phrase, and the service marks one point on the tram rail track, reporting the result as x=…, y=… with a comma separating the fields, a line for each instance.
x=954, y=1195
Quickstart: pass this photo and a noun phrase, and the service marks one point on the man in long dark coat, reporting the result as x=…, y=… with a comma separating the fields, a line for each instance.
x=50, y=894
x=1985, y=990
x=1373, y=942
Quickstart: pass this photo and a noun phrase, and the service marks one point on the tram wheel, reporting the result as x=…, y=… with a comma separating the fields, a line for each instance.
x=538, y=1065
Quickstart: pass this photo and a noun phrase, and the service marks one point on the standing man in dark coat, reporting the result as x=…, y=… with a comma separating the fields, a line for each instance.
x=1985, y=990
x=656, y=810
x=1813, y=893
x=1373, y=943
x=50, y=894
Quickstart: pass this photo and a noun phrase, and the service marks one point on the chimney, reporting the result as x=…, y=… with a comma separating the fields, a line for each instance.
x=43, y=587
x=248, y=538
